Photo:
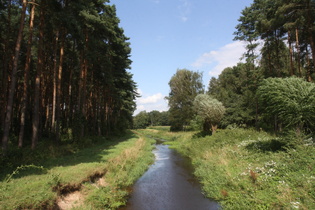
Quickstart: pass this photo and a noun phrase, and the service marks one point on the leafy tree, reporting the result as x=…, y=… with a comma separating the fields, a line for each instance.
x=141, y=120
x=235, y=88
x=291, y=100
x=185, y=85
x=210, y=109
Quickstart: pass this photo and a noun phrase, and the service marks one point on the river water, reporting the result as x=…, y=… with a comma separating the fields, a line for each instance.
x=168, y=185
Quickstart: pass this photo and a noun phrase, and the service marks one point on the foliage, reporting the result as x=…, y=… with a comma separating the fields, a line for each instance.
x=210, y=109
x=272, y=22
x=235, y=88
x=185, y=85
x=141, y=120
x=84, y=86
x=154, y=118
x=246, y=169
x=291, y=100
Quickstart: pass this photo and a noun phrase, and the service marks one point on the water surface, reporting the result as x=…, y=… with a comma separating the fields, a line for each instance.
x=168, y=185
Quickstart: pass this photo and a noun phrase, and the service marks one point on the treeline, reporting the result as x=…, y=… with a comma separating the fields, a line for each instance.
x=258, y=93
x=63, y=71
x=154, y=118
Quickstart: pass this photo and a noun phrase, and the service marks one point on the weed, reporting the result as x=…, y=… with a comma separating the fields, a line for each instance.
x=253, y=176
x=23, y=167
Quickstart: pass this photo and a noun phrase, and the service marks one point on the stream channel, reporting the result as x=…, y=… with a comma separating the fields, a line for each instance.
x=168, y=185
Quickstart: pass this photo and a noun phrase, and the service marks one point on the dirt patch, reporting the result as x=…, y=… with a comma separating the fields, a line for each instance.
x=101, y=182
x=70, y=201
x=71, y=196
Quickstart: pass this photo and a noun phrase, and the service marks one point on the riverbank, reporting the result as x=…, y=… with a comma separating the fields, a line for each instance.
x=96, y=177
x=246, y=169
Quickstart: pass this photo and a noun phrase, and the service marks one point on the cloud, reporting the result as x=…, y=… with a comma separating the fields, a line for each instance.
x=151, y=99
x=184, y=9
x=226, y=56
x=151, y=102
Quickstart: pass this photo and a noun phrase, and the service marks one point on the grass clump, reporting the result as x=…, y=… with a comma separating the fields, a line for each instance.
x=246, y=169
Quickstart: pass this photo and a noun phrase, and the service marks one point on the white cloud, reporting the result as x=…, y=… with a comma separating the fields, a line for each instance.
x=227, y=56
x=151, y=102
x=151, y=99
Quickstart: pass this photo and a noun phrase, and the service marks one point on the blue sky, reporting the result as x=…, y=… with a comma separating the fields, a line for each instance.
x=167, y=35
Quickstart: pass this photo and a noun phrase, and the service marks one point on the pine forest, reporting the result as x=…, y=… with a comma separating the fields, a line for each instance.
x=64, y=71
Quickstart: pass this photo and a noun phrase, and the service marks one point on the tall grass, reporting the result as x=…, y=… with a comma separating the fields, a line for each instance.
x=246, y=169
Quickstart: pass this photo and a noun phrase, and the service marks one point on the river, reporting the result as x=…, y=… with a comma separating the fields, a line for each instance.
x=168, y=185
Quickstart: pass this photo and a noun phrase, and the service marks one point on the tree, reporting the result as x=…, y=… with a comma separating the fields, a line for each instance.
x=291, y=100
x=9, y=109
x=210, y=109
x=141, y=120
x=185, y=85
x=273, y=21
x=235, y=88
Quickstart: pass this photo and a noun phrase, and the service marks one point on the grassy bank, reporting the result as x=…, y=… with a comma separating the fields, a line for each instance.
x=99, y=174
x=246, y=169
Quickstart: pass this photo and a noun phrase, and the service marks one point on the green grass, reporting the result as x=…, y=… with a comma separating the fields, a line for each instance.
x=120, y=163
x=246, y=169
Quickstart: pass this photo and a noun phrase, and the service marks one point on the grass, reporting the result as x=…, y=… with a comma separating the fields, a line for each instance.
x=118, y=163
x=246, y=169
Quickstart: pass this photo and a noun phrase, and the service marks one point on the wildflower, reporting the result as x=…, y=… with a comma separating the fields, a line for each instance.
x=295, y=205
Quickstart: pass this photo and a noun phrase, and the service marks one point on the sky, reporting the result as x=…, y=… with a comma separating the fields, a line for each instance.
x=167, y=35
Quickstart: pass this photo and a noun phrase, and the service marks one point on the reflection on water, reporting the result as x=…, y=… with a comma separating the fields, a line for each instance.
x=168, y=185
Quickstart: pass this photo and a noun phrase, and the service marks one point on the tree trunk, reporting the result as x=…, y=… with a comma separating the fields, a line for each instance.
x=291, y=54
x=214, y=128
x=58, y=98
x=310, y=27
x=26, y=76
x=7, y=59
x=36, y=113
x=308, y=74
x=53, y=118
x=298, y=51
x=9, y=109
x=82, y=85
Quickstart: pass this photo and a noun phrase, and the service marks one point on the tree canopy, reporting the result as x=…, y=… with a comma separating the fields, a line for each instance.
x=291, y=100
x=210, y=109
x=185, y=85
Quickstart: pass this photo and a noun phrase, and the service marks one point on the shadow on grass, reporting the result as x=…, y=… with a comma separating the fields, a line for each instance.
x=201, y=134
x=273, y=145
x=44, y=157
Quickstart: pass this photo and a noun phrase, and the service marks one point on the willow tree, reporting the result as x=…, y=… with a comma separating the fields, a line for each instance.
x=291, y=100
x=210, y=110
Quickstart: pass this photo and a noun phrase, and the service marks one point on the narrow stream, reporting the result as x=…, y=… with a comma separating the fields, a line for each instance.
x=168, y=185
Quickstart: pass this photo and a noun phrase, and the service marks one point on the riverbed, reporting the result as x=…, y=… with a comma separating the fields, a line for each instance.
x=168, y=185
